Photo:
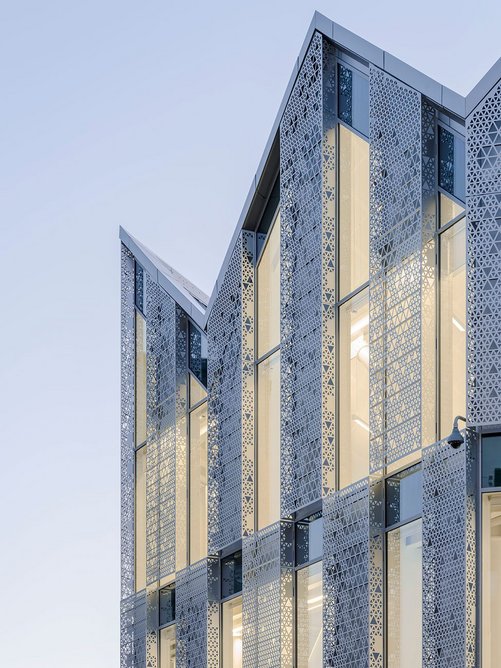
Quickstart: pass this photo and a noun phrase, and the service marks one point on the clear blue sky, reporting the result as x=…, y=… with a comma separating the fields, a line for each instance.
x=152, y=115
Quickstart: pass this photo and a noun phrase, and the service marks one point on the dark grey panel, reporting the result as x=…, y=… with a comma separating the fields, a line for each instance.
x=483, y=144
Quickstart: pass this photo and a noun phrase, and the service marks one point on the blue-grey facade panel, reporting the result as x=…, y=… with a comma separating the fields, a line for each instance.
x=133, y=631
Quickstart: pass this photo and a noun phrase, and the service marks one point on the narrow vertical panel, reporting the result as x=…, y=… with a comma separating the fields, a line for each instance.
x=395, y=248
x=483, y=280
x=224, y=335
x=161, y=444
x=301, y=285
x=346, y=577
x=127, y=362
x=133, y=631
x=448, y=546
x=181, y=408
x=152, y=653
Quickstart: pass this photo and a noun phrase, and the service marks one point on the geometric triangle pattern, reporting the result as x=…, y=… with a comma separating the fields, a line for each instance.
x=483, y=142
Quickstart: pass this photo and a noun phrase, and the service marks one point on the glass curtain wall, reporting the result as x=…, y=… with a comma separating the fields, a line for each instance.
x=268, y=380
x=309, y=608
x=198, y=471
x=168, y=647
x=232, y=633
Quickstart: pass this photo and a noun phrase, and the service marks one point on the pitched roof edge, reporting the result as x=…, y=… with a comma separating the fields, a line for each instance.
x=486, y=83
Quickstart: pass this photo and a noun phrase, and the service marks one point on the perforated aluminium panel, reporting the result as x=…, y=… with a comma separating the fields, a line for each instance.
x=267, y=558
x=395, y=269
x=483, y=141
x=161, y=430
x=307, y=297
x=224, y=334
x=133, y=631
x=197, y=636
x=127, y=361
x=448, y=557
x=346, y=577
x=181, y=438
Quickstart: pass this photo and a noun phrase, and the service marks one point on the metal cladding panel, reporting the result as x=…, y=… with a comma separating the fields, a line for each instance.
x=224, y=334
x=127, y=422
x=395, y=263
x=346, y=577
x=133, y=631
x=307, y=192
x=267, y=598
x=161, y=431
x=181, y=438
x=483, y=143
x=197, y=636
x=448, y=556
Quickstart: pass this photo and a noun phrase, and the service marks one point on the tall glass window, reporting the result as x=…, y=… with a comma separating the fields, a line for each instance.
x=268, y=293
x=491, y=580
x=404, y=596
x=353, y=211
x=452, y=325
x=232, y=633
x=140, y=420
x=168, y=647
x=268, y=440
x=198, y=483
x=354, y=389
x=140, y=519
x=309, y=616
x=268, y=379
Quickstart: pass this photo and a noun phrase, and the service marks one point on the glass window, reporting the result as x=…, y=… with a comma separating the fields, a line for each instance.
x=197, y=392
x=268, y=440
x=140, y=519
x=404, y=596
x=231, y=575
x=452, y=325
x=232, y=633
x=268, y=293
x=354, y=389
x=451, y=163
x=491, y=580
x=309, y=616
x=140, y=379
x=353, y=99
x=449, y=209
x=491, y=460
x=309, y=537
x=404, y=495
x=166, y=605
x=198, y=354
x=353, y=211
x=168, y=647
x=198, y=483
x=139, y=287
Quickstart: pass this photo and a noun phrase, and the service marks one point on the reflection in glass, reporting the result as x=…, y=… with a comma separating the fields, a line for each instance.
x=491, y=460
x=198, y=353
x=167, y=605
x=404, y=596
x=452, y=325
x=268, y=293
x=491, y=580
x=140, y=421
x=309, y=539
x=268, y=440
x=140, y=519
x=197, y=392
x=168, y=647
x=198, y=483
x=354, y=389
x=231, y=574
x=232, y=633
x=309, y=616
x=449, y=209
x=404, y=495
x=353, y=211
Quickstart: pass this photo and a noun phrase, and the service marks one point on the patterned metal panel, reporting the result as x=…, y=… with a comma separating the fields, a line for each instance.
x=346, y=577
x=483, y=142
x=197, y=634
x=448, y=557
x=133, y=631
x=267, y=597
x=395, y=269
x=307, y=295
x=224, y=334
x=127, y=422
x=181, y=438
x=161, y=430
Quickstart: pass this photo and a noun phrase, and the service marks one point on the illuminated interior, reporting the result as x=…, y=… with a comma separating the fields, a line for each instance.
x=491, y=580
x=232, y=633
x=309, y=616
x=198, y=483
x=168, y=647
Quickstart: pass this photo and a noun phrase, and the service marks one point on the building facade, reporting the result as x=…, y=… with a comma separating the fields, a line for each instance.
x=289, y=494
